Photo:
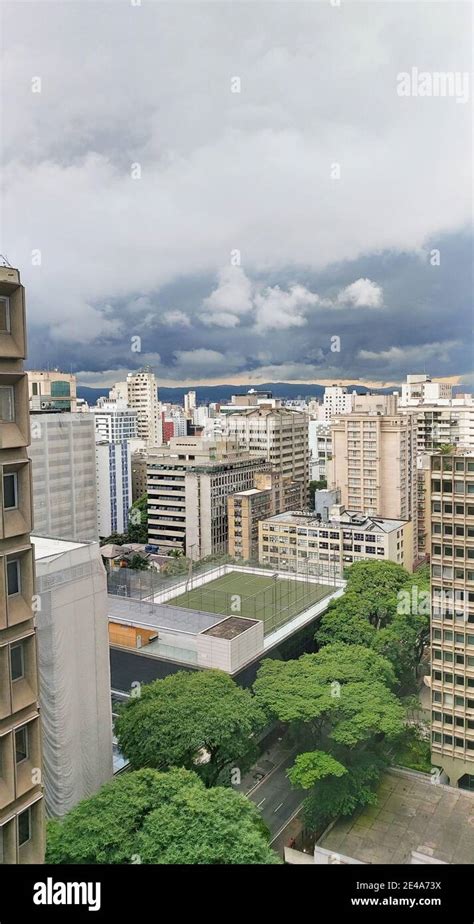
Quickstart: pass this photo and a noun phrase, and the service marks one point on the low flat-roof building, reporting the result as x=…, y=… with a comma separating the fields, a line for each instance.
x=301, y=540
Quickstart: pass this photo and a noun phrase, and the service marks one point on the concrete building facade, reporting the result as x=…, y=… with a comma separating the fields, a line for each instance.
x=52, y=391
x=374, y=466
x=188, y=484
x=63, y=458
x=300, y=541
x=21, y=792
x=278, y=434
x=271, y=494
x=73, y=659
x=114, y=487
x=452, y=620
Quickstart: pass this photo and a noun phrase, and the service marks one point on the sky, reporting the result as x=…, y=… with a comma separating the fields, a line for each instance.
x=239, y=192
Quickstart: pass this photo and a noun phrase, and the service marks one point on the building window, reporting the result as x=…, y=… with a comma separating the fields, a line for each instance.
x=21, y=744
x=10, y=490
x=4, y=314
x=24, y=827
x=17, y=661
x=13, y=577
x=7, y=405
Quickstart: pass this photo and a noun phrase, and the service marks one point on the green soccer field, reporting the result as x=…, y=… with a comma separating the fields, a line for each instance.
x=275, y=601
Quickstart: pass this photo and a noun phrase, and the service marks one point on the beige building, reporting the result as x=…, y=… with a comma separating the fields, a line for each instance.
x=188, y=484
x=21, y=794
x=452, y=621
x=279, y=434
x=300, y=541
x=374, y=466
x=140, y=393
x=271, y=494
x=52, y=391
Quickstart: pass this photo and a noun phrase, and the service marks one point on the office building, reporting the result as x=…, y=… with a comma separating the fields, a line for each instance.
x=336, y=400
x=271, y=494
x=115, y=424
x=189, y=403
x=51, y=391
x=114, y=487
x=21, y=793
x=74, y=671
x=62, y=451
x=278, y=434
x=452, y=619
x=374, y=466
x=188, y=484
x=301, y=541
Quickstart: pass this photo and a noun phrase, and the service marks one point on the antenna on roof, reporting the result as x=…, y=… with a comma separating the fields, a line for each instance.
x=5, y=261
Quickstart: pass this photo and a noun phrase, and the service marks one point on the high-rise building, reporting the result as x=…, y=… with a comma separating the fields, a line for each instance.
x=74, y=671
x=114, y=486
x=21, y=794
x=320, y=444
x=52, y=391
x=139, y=469
x=270, y=494
x=337, y=400
x=140, y=393
x=188, y=484
x=115, y=424
x=64, y=475
x=452, y=615
x=189, y=402
x=278, y=434
x=374, y=466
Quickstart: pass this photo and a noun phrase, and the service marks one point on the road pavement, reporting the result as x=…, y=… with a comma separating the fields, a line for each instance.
x=276, y=798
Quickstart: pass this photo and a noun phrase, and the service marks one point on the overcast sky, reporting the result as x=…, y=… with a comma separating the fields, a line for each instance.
x=280, y=233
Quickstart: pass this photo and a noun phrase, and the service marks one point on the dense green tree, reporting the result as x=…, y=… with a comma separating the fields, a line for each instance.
x=164, y=818
x=342, y=795
x=199, y=720
x=137, y=530
x=342, y=714
x=338, y=625
x=316, y=486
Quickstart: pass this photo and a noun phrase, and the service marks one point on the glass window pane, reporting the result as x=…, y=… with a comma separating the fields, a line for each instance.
x=13, y=577
x=7, y=412
x=4, y=314
x=24, y=827
x=16, y=661
x=9, y=490
x=21, y=744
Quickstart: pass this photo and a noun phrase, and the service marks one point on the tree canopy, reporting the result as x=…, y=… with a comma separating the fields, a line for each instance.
x=199, y=720
x=168, y=818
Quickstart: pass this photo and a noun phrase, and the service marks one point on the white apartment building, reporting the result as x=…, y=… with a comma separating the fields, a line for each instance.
x=448, y=422
x=115, y=424
x=420, y=389
x=337, y=400
x=114, y=486
x=188, y=484
x=189, y=402
x=140, y=393
x=62, y=453
x=74, y=671
x=320, y=445
x=300, y=541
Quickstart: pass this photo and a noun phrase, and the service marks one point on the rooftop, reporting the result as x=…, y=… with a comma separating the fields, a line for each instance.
x=160, y=616
x=410, y=815
x=348, y=520
x=46, y=547
x=231, y=627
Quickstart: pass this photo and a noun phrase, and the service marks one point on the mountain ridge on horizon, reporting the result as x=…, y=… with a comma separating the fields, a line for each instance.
x=222, y=393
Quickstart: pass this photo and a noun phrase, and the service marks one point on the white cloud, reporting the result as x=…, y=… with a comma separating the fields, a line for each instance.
x=175, y=318
x=278, y=310
x=231, y=299
x=412, y=354
x=363, y=293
